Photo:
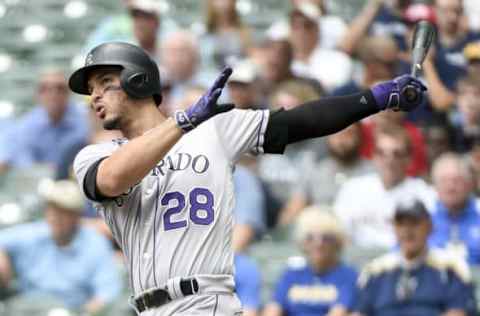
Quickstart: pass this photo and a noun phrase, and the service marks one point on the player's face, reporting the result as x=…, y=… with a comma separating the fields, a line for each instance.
x=63, y=224
x=107, y=97
x=412, y=234
x=322, y=249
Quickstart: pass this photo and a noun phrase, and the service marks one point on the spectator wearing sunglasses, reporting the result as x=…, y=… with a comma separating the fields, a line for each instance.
x=321, y=284
x=48, y=130
x=416, y=279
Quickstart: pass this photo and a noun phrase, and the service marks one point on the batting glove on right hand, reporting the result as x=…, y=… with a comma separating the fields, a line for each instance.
x=392, y=94
x=206, y=107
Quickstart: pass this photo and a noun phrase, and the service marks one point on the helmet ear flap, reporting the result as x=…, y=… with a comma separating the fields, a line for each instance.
x=135, y=83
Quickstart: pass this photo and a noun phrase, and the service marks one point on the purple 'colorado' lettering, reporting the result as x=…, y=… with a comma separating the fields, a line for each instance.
x=181, y=161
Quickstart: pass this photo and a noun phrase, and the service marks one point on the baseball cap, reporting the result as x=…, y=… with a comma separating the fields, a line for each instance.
x=419, y=12
x=472, y=51
x=148, y=6
x=412, y=209
x=308, y=9
x=63, y=193
x=245, y=71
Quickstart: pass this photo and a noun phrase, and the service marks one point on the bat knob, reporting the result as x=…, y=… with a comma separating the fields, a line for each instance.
x=410, y=94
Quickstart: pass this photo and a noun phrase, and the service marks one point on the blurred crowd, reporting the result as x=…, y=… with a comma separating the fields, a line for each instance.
x=403, y=186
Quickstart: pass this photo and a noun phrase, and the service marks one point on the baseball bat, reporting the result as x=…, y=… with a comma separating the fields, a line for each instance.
x=422, y=39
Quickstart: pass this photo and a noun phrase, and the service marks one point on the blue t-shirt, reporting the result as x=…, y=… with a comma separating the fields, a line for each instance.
x=247, y=282
x=76, y=273
x=439, y=284
x=302, y=292
x=464, y=229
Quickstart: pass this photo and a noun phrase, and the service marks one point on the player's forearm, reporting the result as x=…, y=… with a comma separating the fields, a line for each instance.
x=133, y=161
x=317, y=118
x=358, y=28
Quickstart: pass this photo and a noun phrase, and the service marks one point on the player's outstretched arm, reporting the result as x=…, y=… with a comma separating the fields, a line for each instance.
x=133, y=161
x=330, y=115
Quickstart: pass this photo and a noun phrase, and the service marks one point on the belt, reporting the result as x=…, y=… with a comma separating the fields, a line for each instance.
x=158, y=297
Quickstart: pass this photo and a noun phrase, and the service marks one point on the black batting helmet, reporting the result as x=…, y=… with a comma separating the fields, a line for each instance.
x=139, y=77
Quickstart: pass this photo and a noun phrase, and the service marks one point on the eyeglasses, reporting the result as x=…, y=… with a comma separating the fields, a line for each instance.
x=52, y=87
x=327, y=238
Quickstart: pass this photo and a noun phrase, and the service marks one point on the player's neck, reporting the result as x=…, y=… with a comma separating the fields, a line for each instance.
x=145, y=119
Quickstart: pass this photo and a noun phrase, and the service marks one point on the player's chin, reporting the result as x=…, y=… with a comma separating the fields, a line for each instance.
x=111, y=123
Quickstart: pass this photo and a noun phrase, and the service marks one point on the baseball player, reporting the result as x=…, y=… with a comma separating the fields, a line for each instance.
x=166, y=191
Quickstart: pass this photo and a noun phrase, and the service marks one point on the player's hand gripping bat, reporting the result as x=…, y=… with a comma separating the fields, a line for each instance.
x=422, y=39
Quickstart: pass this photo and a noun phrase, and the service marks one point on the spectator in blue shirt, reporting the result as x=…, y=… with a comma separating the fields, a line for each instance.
x=51, y=128
x=58, y=257
x=456, y=216
x=415, y=280
x=249, y=211
x=322, y=285
x=247, y=284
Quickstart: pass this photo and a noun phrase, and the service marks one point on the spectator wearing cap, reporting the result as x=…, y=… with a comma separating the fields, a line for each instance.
x=321, y=284
x=365, y=204
x=472, y=55
x=456, y=213
x=242, y=85
x=330, y=67
x=332, y=27
x=416, y=279
x=59, y=258
x=142, y=24
x=60, y=123
x=377, y=18
x=466, y=119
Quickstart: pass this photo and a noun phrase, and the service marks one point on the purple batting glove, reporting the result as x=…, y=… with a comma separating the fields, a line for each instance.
x=392, y=94
x=206, y=106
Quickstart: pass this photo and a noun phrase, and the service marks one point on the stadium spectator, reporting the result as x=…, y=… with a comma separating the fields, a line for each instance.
x=281, y=173
x=249, y=211
x=276, y=68
x=415, y=280
x=141, y=24
x=180, y=61
x=60, y=123
x=378, y=18
x=225, y=39
x=380, y=61
x=473, y=159
x=453, y=35
x=248, y=284
x=456, y=213
x=321, y=284
x=472, y=55
x=58, y=257
x=438, y=140
x=466, y=120
x=330, y=67
x=242, y=85
x=365, y=204
x=332, y=28
x=320, y=183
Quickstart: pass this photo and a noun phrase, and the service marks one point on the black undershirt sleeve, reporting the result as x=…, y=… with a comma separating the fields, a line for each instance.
x=315, y=119
x=90, y=183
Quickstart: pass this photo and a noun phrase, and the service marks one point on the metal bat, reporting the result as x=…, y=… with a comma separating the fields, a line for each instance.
x=422, y=39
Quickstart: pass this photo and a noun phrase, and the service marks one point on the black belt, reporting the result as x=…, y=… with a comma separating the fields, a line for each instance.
x=158, y=297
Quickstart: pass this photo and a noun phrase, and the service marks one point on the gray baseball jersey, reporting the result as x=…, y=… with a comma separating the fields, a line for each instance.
x=177, y=221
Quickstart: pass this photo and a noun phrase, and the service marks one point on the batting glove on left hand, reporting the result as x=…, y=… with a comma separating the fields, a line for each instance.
x=206, y=107
x=391, y=94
